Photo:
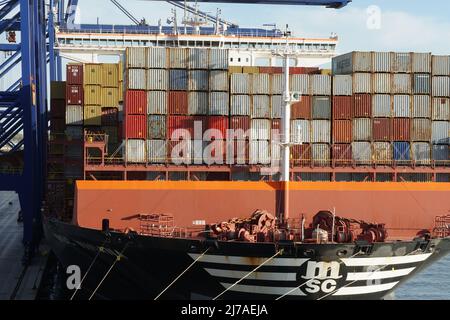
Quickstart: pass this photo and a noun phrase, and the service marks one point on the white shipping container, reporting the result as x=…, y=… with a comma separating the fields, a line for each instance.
x=198, y=58
x=362, y=83
x=276, y=106
x=381, y=105
x=342, y=85
x=321, y=154
x=260, y=83
x=156, y=102
x=218, y=59
x=136, y=57
x=381, y=62
x=259, y=152
x=156, y=58
x=362, y=152
x=218, y=104
x=184, y=152
x=240, y=83
x=421, y=107
x=275, y=151
x=74, y=115
x=178, y=58
x=198, y=80
x=362, y=129
x=441, y=86
x=240, y=105
x=441, y=65
x=261, y=106
x=157, y=79
x=276, y=84
x=321, y=131
x=421, y=152
x=402, y=106
x=401, y=62
x=218, y=80
x=198, y=103
x=320, y=84
x=421, y=62
x=136, y=151
x=382, y=152
x=137, y=79
x=298, y=83
x=352, y=62
x=440, y=132
x=260, y=129
x=401, y=83
x=381, y=83
x=441, y=109
x=300, y=131
x=157, y=151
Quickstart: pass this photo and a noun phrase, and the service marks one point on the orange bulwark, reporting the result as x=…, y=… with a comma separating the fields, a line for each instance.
x=405, y=208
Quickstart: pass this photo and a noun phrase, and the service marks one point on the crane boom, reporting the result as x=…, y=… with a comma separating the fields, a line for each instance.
x=327, y=3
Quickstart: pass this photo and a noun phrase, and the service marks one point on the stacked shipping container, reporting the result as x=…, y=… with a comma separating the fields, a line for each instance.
x=395, y=106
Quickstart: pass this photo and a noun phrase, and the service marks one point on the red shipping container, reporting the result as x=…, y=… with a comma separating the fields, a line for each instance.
x=74, y=74
x=301, y=154
x=180, y=122
x=342, y=131
x=401, y=129
x=57, y=109
x=75, y=95
x=342, y=154
x=178, y=102
x=302, y=109
x=136, y=126
x=271, y=70
x=382, y=129
x=303, y=70
x=136, y=102
x=110, y=116
x=219, y=123
x=342, y=107
x=216, y=150
x=242, y=124
x=362, y=106
x=276, y=124
x=200, y=123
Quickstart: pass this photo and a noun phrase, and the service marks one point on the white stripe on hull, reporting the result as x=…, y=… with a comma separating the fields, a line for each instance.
x=266, y=276
x=348, y=291
x=252, y=261
x=377, y=275
x=384, y=261
x=276, y=291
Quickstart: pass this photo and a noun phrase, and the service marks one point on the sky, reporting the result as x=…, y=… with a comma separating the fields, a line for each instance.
x=379, y=25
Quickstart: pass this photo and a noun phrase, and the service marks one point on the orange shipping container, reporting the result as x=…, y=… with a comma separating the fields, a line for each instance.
x=342, y=131
x=401, y=129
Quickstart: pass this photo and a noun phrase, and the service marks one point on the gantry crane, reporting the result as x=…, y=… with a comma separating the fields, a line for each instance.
x=23, y=104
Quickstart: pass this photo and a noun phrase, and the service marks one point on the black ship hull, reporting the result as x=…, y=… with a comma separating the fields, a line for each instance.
x=234, y=270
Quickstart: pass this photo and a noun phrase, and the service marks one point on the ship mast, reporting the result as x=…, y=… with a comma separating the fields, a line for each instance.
x=285, y=134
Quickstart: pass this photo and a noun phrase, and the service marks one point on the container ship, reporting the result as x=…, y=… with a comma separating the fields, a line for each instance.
x=198, y=168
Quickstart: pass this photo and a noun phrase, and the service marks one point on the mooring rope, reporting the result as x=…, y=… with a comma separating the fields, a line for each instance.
x=100, y=249
x=181, y=274
x=380, y=268
x=248, y=274
x=119, y=256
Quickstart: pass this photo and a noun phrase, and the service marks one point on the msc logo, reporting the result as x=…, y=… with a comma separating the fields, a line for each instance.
x=322, y=276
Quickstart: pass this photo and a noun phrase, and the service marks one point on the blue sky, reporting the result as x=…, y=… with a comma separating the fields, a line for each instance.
x=405, y=25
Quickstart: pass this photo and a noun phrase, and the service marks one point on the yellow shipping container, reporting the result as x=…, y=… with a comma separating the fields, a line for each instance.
x=110, y=97
x=92, y=115
x=92, y=95
x=234, y=69
x=93, y=73
x=121, y=91
x=110, y=75
x=120, y=71
x=326, y=72
x=250, y=70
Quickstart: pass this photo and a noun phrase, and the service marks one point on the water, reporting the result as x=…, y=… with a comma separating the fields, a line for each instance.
x=432, y=283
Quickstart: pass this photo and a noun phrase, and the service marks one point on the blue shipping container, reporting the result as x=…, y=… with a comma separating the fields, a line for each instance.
x=402, y=151
x=178, y=80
